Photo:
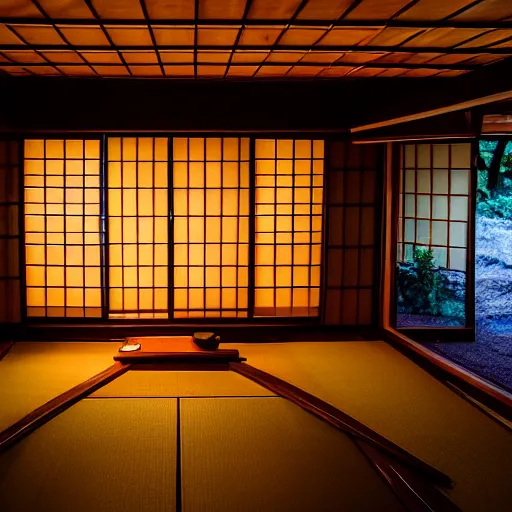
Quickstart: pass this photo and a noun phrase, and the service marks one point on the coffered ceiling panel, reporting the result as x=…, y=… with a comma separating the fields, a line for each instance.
x=252, y=39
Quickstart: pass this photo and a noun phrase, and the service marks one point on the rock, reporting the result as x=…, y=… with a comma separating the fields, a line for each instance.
x=455, y=282
x=493, y=242
x=493, y=271
x=493, y=293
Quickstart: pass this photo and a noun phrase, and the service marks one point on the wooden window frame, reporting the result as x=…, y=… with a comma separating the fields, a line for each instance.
x=103, y=136
x=388, y=294
x=64, y=244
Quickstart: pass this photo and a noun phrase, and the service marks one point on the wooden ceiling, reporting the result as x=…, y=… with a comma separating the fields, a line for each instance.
x=252, y=39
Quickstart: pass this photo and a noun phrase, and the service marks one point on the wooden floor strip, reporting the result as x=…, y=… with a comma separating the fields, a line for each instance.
x=50, y=409
x=494, y=397
x=178, y=458
x=490, y=413
x=340, y=420
x=415, y=494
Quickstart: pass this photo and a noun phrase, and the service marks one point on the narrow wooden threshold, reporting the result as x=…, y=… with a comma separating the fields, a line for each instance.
x=444, y=334
x=445, y=370
x=506, y=424
x=4, y=348
x=414, y=492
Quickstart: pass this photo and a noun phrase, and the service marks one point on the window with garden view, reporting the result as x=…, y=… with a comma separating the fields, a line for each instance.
x=433, y=235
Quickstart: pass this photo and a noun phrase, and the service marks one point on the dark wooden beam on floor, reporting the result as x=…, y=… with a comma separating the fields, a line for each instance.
x=412, y=490
x=340, y=420
x=412, y=480
x=54, y=407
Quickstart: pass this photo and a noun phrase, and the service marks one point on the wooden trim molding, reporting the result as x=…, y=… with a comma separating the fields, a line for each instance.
x=415, y=494
x=4, y=348
x=228, y=332
x=341, y=421
x=497, y=124
x=387, y=264
x=433, y=334
x=382, y=139
x=470, y=320
x=49, y=410
x=453, y=125
x=487, y=393
x=211, y=357
x=493, y=415
x=484, y=100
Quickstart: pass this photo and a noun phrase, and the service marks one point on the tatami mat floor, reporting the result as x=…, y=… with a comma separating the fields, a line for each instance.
x=383, y=389
x=181, y=384
x=368, y=380
x=99, y=455
x=33, y=373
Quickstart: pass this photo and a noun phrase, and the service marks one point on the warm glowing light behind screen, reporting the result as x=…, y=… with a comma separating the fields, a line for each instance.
x=211, y=227
x=289, y=204
x=62, y=228
x=138, y=226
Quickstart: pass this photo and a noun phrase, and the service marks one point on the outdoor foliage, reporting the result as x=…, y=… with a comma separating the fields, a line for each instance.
x=418, y=284
x=494, y=186
x=493, y=256
x=425, y=289
x=500, y=207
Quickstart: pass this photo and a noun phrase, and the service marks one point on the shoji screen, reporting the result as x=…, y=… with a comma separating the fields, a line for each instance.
x=9, y=233
x=211, y=227
x=138, y=223
x=289, y=204
x=62, y=228
x=434, y=203
x=350, y=275
x=434, y=211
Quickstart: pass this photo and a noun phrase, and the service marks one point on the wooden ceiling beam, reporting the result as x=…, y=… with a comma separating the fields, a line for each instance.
x=463, y=105
x=303, y=48
x=48, y=18
x=487, y=85
x=283, y=31
x=350, y=23
x=247, y=8
x=458, y=125
x=372, y=64
x=99, y=22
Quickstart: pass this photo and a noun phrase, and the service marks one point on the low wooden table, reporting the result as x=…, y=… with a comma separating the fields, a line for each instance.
x=175, y=349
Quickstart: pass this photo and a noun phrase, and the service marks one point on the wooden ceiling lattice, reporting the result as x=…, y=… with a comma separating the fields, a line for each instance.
x=252, y=38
